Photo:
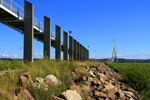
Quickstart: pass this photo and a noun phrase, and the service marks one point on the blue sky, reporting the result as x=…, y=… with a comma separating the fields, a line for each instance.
x=94, y=23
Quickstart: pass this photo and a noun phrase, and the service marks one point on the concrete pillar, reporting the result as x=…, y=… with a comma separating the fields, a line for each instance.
x=28, y=31
x=0, y=1
x=80, y=52
x=75, y=49
x=65, y=46
x=82, y=48
x=71, y=48
x=84, y=53
x=47, y=37
x=58, y=43
x=87, y=54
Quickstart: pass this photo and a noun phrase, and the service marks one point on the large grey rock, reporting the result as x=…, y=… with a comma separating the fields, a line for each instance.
x=23, y=95
x=128, y=93
x=109, y=86
x=71, y=95
x=25, y=79
x=52, y=80
x=1, y=93
x=39, y=83
x=73, y=86
x=91, y=73
x=121, y=94
x=56, y=98
x=85, y=89
x=100, y=94
x=103, y=78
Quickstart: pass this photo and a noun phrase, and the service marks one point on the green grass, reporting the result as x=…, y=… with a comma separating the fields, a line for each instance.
x=62, y=70
x=11, y=65
x=136, y=75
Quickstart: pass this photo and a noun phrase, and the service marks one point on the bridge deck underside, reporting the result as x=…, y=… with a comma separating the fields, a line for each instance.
x=18, y=24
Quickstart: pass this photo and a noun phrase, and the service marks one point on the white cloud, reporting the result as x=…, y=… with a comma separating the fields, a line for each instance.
x=15, y=56
x=8, y=55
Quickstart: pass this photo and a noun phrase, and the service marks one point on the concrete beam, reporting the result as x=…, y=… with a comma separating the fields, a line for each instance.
x=65, y=46
x=71, y=48
x=58, y=43
x=28, y=31
x=47, y=37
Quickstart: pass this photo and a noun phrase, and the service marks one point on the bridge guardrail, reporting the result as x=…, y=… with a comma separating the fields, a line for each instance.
x=19, y=11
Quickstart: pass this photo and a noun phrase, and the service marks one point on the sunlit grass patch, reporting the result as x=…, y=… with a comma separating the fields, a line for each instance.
x=137, y=75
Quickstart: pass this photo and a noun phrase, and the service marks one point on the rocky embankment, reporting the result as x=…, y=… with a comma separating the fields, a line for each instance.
x=88, y=83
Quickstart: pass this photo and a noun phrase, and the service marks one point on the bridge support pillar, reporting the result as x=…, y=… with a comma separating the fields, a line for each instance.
x=75, y=49
x=65, y=46
x=79, y=50
x=85, y=54
x=82, y=53
x=88, y=55
x=58, y=43
x=47, y=37
x=71, y=48
x=28, y=31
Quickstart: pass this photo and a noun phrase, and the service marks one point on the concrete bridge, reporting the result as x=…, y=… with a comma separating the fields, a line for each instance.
x=23, y=21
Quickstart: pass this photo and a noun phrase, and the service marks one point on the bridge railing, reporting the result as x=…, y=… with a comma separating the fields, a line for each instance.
x=19, y=11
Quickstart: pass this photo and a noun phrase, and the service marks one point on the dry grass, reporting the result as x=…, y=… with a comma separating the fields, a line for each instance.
x=62, y=70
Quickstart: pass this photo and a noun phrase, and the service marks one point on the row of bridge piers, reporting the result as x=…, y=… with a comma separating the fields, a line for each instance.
x=71, y=48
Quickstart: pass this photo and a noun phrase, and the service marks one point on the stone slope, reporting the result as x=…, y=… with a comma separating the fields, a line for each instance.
x=102, y=83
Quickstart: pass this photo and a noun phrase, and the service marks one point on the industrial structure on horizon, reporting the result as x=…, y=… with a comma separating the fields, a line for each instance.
x=114, y=53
